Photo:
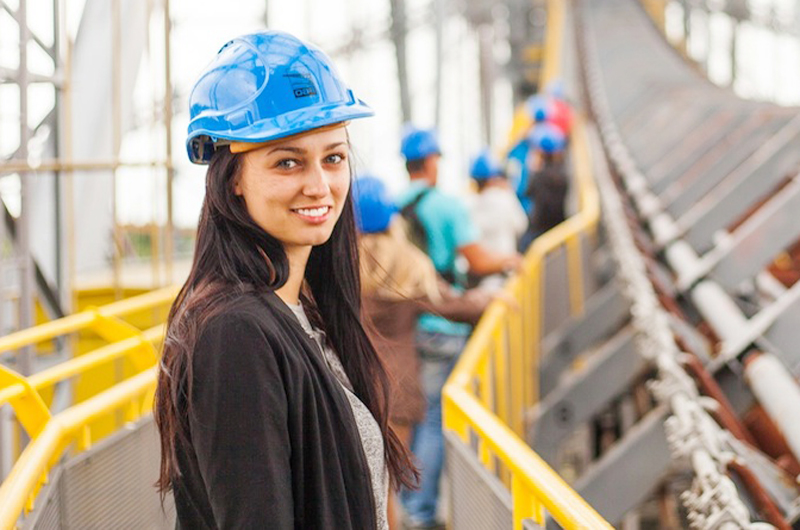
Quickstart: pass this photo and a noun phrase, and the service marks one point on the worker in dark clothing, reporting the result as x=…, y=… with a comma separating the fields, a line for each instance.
x=271, y=401
x=549, y=183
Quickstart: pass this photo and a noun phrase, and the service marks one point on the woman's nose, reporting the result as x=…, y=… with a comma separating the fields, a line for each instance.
x=317, y=182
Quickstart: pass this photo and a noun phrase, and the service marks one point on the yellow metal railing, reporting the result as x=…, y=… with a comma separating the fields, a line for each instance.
x=496, y=381
x=125, y=401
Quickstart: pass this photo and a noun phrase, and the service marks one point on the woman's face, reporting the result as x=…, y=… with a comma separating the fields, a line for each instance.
x=295, y=188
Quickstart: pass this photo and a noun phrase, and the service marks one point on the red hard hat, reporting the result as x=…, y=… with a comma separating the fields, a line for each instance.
x=561, y=116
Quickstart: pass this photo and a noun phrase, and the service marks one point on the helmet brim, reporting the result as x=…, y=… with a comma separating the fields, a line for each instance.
x=201, y=142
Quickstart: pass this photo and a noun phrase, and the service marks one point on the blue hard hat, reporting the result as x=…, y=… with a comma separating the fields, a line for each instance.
x=484, y=166
x=538, y=107
x=547, y=138
x=265, y=86
x=373, y=205
x=419, y=143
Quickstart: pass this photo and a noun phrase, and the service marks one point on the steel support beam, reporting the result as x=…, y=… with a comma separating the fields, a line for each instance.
x=606, y=311
x=774, y=329
x=753, y=179
x=754, y=244
x=607, y=374
x=610, y=486
x=697, y=145
x=721, y=162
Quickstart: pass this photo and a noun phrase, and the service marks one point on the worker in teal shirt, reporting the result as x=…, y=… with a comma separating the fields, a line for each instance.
x=441, y=226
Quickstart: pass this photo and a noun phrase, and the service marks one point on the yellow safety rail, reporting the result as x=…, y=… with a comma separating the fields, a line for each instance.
x=495, y=380
x=52, y=435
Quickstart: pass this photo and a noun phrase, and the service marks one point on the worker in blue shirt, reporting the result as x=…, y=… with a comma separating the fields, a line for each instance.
x=439, y=224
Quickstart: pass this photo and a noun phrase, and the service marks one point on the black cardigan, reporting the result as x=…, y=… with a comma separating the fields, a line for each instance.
x=274, y=443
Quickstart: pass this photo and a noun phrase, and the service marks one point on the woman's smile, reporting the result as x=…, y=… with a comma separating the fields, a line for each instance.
x=295, y=189
x=313, y=214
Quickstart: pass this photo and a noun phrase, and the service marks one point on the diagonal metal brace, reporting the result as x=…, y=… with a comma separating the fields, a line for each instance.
x=29, y=406
x=606, y=311
x=606, y=375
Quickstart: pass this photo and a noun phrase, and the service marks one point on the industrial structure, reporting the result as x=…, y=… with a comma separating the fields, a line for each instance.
x=646, y=375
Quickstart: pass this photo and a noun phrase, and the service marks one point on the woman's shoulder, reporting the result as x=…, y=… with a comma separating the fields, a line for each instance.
x=248, y=313
x=243, y=336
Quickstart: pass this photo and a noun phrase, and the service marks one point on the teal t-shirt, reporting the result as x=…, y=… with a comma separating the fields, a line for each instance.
x=448, y=227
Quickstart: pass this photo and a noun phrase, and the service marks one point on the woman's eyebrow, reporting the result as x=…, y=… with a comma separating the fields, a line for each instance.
x=297, y=150
x=300, y=150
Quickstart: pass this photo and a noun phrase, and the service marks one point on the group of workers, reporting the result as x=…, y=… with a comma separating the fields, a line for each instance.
x=305, y=355
x=419, y=303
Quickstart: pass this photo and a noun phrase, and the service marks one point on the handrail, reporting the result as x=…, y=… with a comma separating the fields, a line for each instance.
x=52, y=435
x=82, y=364
x=24, y=394
x=18, y=491
x=535, y=487
x=86, y=319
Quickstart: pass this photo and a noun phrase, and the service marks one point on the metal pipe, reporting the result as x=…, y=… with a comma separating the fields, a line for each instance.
x=7, y=8
x=169, y=236
x=778, y=393
x=154, y=228
x=68, y=301
x=116, y=139
x=709, y=386
x=25, y=358
x=486, y=74
x=717, y=308
x=399, y=29
x=766, y=506
x=439, y=16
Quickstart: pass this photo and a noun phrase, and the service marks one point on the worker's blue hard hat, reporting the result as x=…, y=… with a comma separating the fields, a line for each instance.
x=419, y=143
x=538, y=107
x=265, y=86
x=485, y=166
x=374, y=207
x=547, y=138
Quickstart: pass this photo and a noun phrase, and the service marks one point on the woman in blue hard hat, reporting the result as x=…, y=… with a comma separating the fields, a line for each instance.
x=271, y=401
x=399, y=283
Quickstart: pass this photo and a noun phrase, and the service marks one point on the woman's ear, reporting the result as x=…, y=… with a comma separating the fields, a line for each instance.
x=237, y=185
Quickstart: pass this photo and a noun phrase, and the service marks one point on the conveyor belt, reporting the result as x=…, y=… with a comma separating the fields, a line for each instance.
x=701, y=198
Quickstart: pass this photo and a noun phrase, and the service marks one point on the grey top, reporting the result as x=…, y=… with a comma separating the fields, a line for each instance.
x=368, y=429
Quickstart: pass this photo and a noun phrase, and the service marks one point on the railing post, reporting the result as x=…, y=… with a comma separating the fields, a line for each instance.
x=575, y=268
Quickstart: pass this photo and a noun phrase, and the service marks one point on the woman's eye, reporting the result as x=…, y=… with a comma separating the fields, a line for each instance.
x=287, y=163
x=334, y=159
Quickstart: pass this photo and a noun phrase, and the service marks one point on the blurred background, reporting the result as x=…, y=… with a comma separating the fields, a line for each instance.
x=99, y=202
x=93, y=106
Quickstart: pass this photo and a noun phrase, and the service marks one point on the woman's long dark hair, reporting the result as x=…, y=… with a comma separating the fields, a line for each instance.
x=233, y=255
